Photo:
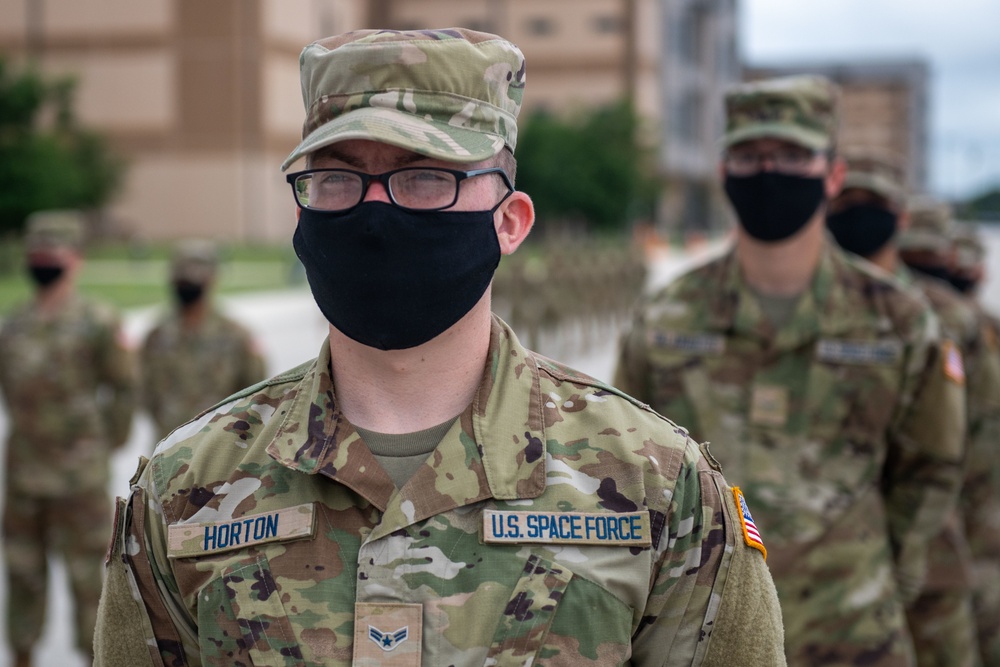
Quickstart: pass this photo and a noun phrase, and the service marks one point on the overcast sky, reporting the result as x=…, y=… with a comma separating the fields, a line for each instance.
x=960, y=40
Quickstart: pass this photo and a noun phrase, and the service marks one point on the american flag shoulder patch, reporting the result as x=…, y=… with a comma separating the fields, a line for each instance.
x=751, y=536
x=954, y=369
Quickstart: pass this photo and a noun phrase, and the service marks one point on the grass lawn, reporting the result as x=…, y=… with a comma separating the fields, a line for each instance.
x=129, y=278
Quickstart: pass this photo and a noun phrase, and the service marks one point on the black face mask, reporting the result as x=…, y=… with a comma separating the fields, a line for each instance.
x=963, y=284
x=45, y=274
x=188, y=293
x=772, y=206
x=939, y=272
x=863, y=229
x=394, y=279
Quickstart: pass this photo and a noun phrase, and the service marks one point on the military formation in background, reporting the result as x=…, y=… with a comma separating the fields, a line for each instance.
x=68, y=382
x=824, y=385
x=195, y=356
x=564, y=296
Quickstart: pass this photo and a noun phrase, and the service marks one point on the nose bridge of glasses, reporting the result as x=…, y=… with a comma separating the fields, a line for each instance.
x=376, y=188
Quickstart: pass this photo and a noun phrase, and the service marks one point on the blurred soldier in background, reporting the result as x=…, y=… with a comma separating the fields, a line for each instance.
x=870, y=218
x=981, y=499
x=821, y=382
x=195, y=356
x=67, y=379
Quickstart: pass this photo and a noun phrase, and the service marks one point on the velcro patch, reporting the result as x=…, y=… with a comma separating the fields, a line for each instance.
x=861, y=352
x=387, y=634
x=954, y=369
x=751, y=536
x=596, y=528
x=195, y=539
x=698, y=343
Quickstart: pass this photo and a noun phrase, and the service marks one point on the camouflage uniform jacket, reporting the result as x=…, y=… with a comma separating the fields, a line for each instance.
x=538, y=438
x=185, y=372
x=950, y=566
x=68, y=380
x=841, y=427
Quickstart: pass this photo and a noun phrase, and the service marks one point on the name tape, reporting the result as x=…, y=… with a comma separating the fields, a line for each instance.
x=698, y=343
x=597, y=528
x=195, y=539
x=859, y=352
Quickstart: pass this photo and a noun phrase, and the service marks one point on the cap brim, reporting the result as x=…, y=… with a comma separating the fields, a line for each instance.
x=404, y=130
x=813, y=140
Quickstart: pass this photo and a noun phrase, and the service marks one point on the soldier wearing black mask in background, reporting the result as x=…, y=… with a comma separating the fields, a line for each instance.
x=870, y=217
x=195, y=356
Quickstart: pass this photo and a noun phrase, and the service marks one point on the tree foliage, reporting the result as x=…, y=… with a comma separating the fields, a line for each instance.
x=985, y=206
x=47, y=160
x=588, y=170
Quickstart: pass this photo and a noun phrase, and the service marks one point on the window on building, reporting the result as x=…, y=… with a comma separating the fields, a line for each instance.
x=541, y=26
x=607, y=24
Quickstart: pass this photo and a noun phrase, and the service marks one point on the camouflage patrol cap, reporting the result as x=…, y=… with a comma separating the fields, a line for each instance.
x=799, y=109
x=875, y=170
x=194, y=260
x=450, y=94
x=930, y=226
x=968, y=244
x=51, y=229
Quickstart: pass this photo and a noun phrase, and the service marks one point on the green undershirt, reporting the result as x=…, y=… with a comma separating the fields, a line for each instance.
x=778, y=309
x=401, y=454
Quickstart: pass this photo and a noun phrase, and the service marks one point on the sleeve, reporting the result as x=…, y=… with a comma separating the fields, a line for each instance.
x=631, y=372
x=923, y=470
x=712, y=600
x=254, y=366
x=118, y=376
x=138, y=616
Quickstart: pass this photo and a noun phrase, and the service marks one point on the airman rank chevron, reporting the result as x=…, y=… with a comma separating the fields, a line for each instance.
x=195, y=539
x=596, y=528
x=697, y=343
x=863, y=352
x=751, y=536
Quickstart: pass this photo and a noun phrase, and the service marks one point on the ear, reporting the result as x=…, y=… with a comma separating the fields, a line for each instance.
x=513, y=220
x=834, y=180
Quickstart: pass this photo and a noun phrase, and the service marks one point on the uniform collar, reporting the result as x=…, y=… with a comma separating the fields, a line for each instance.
x=495, y=449
x=827, y=308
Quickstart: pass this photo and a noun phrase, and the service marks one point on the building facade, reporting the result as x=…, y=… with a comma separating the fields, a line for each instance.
x=884, y=105
x=202, y=97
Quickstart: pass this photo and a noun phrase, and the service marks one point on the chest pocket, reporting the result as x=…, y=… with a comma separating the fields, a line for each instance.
x=247, y=592
x=527, y=617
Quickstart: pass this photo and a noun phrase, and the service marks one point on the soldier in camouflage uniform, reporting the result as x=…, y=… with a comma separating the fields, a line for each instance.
x=981, y=497
x=871, y=218
x=819, y=381
x=195, y=356
x=68, y=383
x=427, y=491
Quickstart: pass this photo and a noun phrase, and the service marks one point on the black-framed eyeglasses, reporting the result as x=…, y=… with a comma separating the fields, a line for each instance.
x=413, y=188
x=792, y=161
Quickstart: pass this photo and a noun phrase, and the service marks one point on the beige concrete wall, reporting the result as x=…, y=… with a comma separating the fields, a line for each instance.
x=68, y=17
x=119, y=91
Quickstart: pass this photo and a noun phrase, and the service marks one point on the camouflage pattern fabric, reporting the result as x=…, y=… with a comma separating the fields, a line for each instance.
x=841, y=427
x=981, y=494
x=336, y=566
x=449, y=94
x=799, y=109
x=69, y=388
x=187, y=371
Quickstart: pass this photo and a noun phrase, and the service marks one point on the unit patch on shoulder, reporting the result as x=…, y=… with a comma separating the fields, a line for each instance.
x=696, y=343
x=196, y=539
x=954, y=369
x=593, y=528
x=863, y=352
x=751, y=536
